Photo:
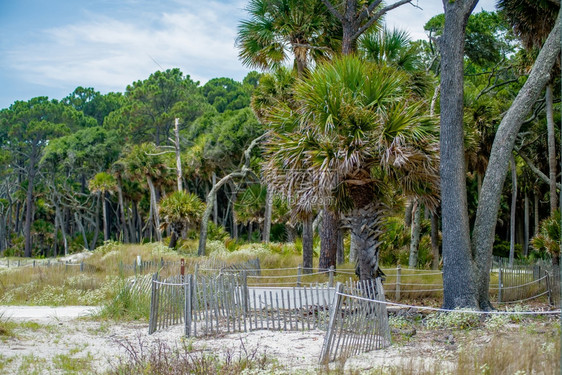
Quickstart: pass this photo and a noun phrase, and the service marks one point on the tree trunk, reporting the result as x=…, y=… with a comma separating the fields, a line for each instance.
x=340, y=255
x=365, y=225
x=154, y=208
x=103, y=196
x=328, y=239
x=415, y=236
x=178, y=154
x=408, y=212
x=307, y=244
x=29, y=204
x=97, y=225
x=267, y=215
x=526, y=226
x=458, y=275
x=215, y=206
x=353, y=253
x=82, y=231
x=126, y=236
x=435, y=241
x=536, y=212
x=512, y=212
x=488, y=205
x=552, y=162
x=291, y=232
x=173, y=240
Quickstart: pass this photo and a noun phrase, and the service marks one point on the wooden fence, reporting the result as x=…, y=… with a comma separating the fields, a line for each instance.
x=358, y=321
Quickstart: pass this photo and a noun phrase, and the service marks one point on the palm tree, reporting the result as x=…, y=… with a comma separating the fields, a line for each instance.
x=356, y=140
x=178, y=210
x=102, y=184
x=276, y=28
x=144, y=162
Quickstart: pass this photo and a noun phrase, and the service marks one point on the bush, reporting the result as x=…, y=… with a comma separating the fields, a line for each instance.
x=458, y=319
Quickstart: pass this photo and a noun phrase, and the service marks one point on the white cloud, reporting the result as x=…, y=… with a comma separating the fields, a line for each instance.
x=108, y=53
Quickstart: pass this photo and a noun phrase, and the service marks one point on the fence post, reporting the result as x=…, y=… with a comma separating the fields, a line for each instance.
x=258, y=267
x=331, y=280
x=182, y=266
x=153, y=319
x=499, y=283
x=398, y=280
x=548, y=287
x=34, y=263
x=245, y=292
x=187, y=288
x=299, y=274
x=330, y=333
x=82, y=266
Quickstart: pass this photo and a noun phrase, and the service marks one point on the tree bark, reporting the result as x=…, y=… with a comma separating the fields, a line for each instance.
x=365, y=225
x=552, y=162
x=328, y=239
x=340, y=257
x=512, y=212
x=267, y=216
x=103, y=197
x=458, y=274
x=307, y=244
x=488, y=206
x=126, y=236
x=536, y=212
x=408, y=212
x=178, y=153
x=97, y=225
x=415, y=236
x=82, y=231
x=154, y=208
x=526, y=226
x=353, y=253
x=435, y=241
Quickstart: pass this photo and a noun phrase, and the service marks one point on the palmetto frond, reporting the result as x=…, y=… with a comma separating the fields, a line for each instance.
x=181, y=208
x=355, y=128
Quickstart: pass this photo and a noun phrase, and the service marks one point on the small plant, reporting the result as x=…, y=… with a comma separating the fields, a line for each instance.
x=497, y=322
x=457, y=319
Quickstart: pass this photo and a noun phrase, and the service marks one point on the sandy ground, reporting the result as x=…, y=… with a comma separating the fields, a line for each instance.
x=64, y=331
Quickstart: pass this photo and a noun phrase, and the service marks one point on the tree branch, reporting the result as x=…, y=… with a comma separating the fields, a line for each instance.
x=378, y=15
x=333, y=10
x=536, y=170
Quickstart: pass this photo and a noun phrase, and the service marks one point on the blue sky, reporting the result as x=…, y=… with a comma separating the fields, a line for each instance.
x=48, y=48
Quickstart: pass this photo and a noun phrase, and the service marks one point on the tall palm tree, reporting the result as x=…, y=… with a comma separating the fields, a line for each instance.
x=303, y=28
x=178, y=210
x=102, y=184
x=356, y=139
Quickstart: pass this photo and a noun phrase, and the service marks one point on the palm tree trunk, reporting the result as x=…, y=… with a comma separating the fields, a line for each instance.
x=328, y=239
x=97, y=225
x=103, y=195
x=552, y=163
x=307, y=244
x=126, y=237
x=365, y=225
x=536, y=212
x=415, y=236
x=267, y=215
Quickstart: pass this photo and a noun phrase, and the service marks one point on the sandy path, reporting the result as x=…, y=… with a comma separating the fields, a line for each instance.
x=46, y=314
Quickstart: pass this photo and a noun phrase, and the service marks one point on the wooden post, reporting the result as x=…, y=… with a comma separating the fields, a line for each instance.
x=153, y=319
x=182, y=267
x=331, y=274
x=499, y=284
x=299, y=274
x=188, y=287
x=398, y=280
x=548, y=288
x=330, y=334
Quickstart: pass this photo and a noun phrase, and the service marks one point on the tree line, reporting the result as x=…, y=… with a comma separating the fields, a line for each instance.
x=350, y=127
